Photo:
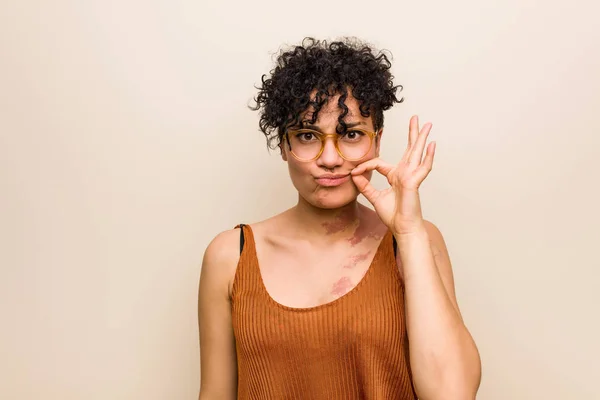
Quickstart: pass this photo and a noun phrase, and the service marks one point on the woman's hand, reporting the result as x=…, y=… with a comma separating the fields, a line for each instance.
x=399, y=206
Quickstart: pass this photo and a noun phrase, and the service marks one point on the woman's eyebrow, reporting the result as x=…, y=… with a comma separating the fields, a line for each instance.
x=348, y=125
x=353, y=124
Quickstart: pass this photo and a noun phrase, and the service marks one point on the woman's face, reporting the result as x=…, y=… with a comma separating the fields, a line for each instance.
x=325, y=182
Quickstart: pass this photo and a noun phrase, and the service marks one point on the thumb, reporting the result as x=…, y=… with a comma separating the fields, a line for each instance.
x=365, y=188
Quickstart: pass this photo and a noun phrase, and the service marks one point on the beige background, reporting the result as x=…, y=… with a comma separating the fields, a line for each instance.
x=126, y=145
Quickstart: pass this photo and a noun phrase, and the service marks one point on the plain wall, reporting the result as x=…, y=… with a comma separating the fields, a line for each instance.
x=126, y=144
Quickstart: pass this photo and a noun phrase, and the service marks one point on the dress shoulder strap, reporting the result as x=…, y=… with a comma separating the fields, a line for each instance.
x=241, y=236
x=247, y=275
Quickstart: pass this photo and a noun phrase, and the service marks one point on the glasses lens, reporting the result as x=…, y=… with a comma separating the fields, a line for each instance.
x=305, y=145
x=354, y=144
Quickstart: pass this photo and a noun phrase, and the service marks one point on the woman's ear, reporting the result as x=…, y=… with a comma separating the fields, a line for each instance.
x=282, y=150
x=378, y=142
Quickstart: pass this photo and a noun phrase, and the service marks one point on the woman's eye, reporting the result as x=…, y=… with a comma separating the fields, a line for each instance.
x=353, y=135
x=306, y=136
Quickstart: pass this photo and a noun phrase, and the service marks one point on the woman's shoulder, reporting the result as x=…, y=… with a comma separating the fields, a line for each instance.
x=221, y=258
x=222, y=246
x=223, y=251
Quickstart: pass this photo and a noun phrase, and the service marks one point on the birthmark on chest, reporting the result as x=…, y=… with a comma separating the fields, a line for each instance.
x=342, y=221
x=342, y=286
x=367, y=229
x=357, y=259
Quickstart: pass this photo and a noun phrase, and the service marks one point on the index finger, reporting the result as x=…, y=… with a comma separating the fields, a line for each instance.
x=376, y=164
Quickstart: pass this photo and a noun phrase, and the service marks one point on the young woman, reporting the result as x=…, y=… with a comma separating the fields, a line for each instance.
x=329, y=299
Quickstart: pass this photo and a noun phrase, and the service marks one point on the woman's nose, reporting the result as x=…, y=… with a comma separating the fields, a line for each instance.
x=330, y=157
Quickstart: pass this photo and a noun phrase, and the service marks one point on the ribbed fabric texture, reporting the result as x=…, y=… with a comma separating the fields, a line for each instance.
x=352, y=348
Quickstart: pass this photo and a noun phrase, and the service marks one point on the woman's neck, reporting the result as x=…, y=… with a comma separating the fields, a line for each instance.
x=352, y=223
x=327, y=222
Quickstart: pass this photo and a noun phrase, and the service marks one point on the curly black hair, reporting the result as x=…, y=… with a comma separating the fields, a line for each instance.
x=329, y=69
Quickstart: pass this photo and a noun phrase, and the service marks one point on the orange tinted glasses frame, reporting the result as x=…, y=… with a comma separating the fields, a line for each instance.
x=323, y=136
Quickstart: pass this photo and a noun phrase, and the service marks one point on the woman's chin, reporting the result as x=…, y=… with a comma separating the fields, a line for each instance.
x=332, y=199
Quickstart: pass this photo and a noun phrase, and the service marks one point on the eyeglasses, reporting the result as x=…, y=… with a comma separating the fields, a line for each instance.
x=308, y=144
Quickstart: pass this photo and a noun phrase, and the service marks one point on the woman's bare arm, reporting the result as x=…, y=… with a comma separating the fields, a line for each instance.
x=218, y=366
x=444, y=358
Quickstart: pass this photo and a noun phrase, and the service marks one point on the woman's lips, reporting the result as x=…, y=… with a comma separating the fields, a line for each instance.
x=334, y=180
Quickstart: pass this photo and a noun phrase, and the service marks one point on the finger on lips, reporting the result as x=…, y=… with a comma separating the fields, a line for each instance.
x=374, y=164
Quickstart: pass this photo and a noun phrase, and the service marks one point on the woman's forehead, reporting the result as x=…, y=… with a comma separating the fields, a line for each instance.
x=329, y=113
x=329, y=121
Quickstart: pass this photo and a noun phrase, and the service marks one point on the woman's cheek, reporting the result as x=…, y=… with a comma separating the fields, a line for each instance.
x=299, y=174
